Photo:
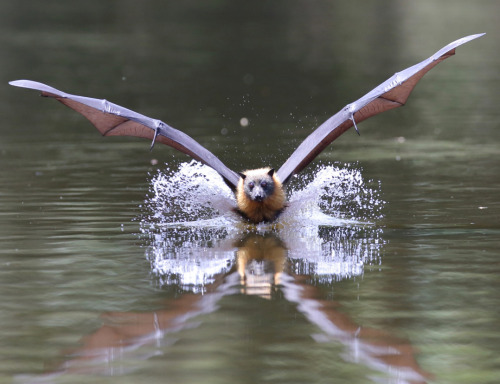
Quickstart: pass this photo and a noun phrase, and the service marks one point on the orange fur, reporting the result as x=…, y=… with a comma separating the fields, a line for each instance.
x=266, y=210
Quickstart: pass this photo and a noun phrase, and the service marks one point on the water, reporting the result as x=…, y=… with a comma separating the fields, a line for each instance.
x=124, y=265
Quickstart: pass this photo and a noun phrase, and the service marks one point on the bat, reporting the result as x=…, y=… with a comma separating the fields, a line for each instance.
x=259, y=193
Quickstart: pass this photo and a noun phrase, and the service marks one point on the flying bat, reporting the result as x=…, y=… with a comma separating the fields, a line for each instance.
x=259, y=193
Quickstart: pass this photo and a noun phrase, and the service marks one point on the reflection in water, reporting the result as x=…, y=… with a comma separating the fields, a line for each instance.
x=192, y=258
x=217, y=256
x=261, y=261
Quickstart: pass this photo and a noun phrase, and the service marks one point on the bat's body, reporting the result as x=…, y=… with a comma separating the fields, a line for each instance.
x=259, y=193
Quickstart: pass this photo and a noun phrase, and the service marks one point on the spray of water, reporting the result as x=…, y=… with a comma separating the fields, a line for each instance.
x=332, y=195
x=193, y=232
x=194, y=194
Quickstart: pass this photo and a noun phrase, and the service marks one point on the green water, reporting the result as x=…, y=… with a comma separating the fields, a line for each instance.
x=80, y=300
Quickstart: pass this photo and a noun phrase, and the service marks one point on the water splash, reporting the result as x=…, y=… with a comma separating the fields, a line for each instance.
x=193, y=232
x=196, y=195
x=192, y=193
x=333, y=194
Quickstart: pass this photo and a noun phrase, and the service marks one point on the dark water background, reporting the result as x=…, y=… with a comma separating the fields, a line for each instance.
x=80, y=299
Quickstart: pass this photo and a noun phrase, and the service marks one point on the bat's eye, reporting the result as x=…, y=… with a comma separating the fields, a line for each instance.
x=251, y=185
x=263, y=184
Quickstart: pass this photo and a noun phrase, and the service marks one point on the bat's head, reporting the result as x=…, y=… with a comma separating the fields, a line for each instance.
x=258, y=184
x=260, y=195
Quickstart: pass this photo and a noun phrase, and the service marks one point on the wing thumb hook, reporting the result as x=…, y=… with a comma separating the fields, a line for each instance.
x=354, y=122
x=157, y=130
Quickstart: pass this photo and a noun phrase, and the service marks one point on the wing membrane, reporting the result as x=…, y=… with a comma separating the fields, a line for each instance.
x=113, y=120
x=392, y=93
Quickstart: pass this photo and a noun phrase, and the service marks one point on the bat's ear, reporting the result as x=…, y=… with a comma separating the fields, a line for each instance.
x=271, y=172
x=242, y=175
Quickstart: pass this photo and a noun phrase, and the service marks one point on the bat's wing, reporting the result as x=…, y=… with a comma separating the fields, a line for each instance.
x=390, y=94
x=112, y=120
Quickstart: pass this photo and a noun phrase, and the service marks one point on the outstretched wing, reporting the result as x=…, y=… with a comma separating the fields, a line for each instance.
x=112, y=120
x=390, y=94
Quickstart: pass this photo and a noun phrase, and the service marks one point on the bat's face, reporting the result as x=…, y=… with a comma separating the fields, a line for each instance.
x=260, y=195
x=258, y=184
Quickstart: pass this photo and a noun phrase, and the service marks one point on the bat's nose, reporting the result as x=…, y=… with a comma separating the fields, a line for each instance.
x=258, y=194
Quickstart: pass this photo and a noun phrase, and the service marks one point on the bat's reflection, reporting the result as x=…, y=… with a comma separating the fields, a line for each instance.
x=262, y=267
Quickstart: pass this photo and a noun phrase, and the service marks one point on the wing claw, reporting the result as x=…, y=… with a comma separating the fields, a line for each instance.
x=354, y=122
x=157, y=130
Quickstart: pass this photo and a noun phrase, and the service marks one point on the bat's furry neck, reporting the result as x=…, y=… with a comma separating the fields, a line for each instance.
x=260, y=211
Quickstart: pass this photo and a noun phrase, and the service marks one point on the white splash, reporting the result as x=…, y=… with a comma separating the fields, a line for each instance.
x=193, y=231
x=195, y=195
x=193, y=192
x=332, y=194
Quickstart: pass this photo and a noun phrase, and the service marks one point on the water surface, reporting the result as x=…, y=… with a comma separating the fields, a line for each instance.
x=386, y=267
